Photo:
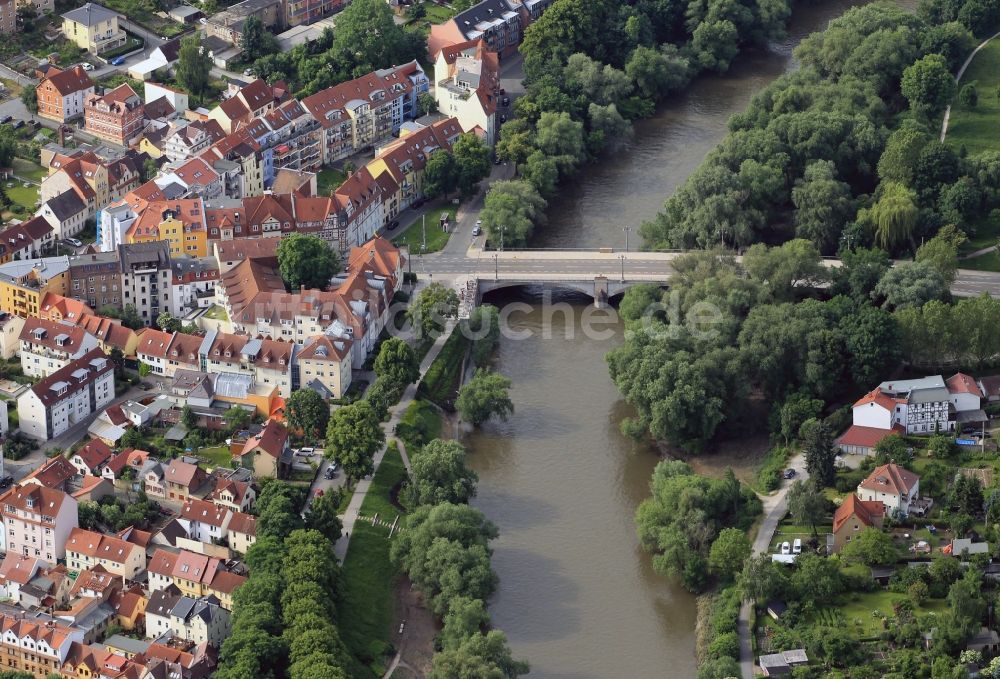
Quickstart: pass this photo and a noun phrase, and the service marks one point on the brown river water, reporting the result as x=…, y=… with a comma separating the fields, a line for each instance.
x=577, y=596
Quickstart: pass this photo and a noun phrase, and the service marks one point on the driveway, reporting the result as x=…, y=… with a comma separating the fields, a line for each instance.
x=775, y=507
x=322, y=483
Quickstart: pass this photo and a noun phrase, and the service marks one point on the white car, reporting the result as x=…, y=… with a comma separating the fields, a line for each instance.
x=797, y=546
x=248, y=73
x=203, y=21
x=87, y=66
x=786, y=547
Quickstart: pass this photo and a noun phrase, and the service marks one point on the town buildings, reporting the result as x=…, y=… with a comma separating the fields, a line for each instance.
x=37, y=521
x=8, y=17
x=61, y=94
x=89, y=549
x=895, y=487
x=47, y=346
x=146, y=278
x=467, y=86
x=115, y=116
x=67, y=396
x=853, y=516
x=93, y=28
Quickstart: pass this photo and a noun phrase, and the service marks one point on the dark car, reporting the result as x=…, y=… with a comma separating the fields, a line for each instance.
x=503, y=118
x=506, y=101
x=117, y=61
x=329, y=473
x=6, y=119
x=18, y=125
x=6, y=481
x=789, y=473
x=393, y=224
x=417, y=203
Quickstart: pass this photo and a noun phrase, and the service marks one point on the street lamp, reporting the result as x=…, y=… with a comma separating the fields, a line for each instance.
x=496, y=267
x=626, y=229
x=622, y=258
x=502, y=229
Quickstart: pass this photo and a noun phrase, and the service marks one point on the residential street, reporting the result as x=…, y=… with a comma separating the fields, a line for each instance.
x=775, y=507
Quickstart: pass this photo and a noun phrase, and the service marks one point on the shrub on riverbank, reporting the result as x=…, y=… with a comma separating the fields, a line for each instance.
x=769, y=474
x=440, y=382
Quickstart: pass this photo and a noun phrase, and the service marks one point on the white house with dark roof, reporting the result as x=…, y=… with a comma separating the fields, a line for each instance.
x=47, y=346
x=67, y=396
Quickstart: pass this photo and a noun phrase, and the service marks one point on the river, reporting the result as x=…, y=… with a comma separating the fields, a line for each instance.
x=577, y=596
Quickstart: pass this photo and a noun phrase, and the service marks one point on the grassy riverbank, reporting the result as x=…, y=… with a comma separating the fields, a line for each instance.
x=975, y=128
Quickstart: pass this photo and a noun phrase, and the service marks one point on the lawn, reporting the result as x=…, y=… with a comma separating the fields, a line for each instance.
x=437, y=14
x=413, y=234
x=329, y=179
x=420, y=423
x=858, y=615
x=216, y=313
x=988, y=262
x=26, y=169
x=25, y=196
x=368, y=575
x=975, y=129
x=216, y=456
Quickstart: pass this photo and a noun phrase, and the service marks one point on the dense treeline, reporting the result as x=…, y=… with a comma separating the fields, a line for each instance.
x=688, y=524
x=965, y=334
x=844, y=151
x=593, y=67
x=284, y=615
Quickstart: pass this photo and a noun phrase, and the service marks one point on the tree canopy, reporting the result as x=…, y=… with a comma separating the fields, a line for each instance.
x=306, y=261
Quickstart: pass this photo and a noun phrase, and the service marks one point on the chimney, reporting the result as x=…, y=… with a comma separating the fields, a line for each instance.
x=62, y=135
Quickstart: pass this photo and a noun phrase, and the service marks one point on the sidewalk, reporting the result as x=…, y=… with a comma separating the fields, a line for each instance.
x=395, y=415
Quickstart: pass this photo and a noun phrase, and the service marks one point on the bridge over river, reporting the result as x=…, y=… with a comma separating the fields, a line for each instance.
x=600, y=273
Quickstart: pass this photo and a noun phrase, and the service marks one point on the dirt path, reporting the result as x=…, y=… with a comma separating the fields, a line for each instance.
x=415, y=646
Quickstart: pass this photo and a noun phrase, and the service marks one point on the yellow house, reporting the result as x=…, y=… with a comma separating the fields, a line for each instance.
x=180, y=222
x=23, y=284
x=93, y=28
x=147, y=145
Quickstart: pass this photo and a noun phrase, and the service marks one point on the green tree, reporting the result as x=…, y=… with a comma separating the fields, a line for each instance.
x=794, y=412
x=542, y=172
x=894, y=215
x=483, y=328
x=440, y=174
x=188, y=417
x=168, y=323
x=480, y=655
x=440, y=475
x=193, y=67
x=928, y=85
x=817, y=444
x=368, y=38
x=30, y=100
x=472, y=162
x=911, y=284
x=968, y=96
x=433, y=306
x=397, y=362
x=323, y=515
x=658, y=72
x=257, y=41
x=902, y=150
x=760, y=579
x=728, y=553
x=511, y=211
x=942, y=251
x=144, y=369
x=306, y=410
x=807, y=504
x=279, y=517
x=871, y=547
x=486, y=395
x=823, y=206
x=714, y=45
x=465, y=617
x=237, y=418
x=306, y=260
x=560, y=137
x=353, y=437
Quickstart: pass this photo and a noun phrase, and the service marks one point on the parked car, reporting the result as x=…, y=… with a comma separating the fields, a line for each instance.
x=75, y=242
x=790, y=473
x=6, y=481
x=334, y=466
x=203, y=21
x=477, y=230
x=503, y=117
x=786, y=547
x=329, y=473
x=393, y=225
x=18, y=125
x=248, y=73
x=117, y=61
x=417, y=203
x=87, y=66
x=797, y=546
x=6, y=119
x=506, y=101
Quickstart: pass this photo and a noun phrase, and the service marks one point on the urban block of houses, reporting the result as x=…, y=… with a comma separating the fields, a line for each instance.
x=116, y=116
x=499, y=23
x=67, y=396
x=91, y=458
x=93, y=28
x=23, y=284
x=47, y=346
x=26, y=240
x=38, y=521
x=182, y=478
x=921, y=406
x=163, y=57
x=895, y=487
x=89, y=549
x=201, y=620
x=195, y=575
x=267, y=453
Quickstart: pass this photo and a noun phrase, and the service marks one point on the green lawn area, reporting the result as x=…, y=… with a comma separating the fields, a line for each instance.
x=368, y=575
x=329, y=179
x=988, y=262
x=436, y=14
x=28, y=170
x=976, y=129
x=216, y=313
x=856, y=613
x=412, y=233
x=216, y=456
x=26, y=196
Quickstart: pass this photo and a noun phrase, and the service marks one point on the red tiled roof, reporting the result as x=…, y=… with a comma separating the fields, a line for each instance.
x=877, y=396
x=94, y=363
x=867, y=511
x=866, y=437
x=204, y=511
x=100, y=546
x=243, y=523
x=890, y=478
x=154, y=343
x=271, y=440
x=960, y=383
x=184, y=473
x=53, y=474
x=69, y=81
x=43, y=332
x=95, y=453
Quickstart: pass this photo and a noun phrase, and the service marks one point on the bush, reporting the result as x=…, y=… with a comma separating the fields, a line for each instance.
x=725, y=646
x=441, y=381
x=769, y=473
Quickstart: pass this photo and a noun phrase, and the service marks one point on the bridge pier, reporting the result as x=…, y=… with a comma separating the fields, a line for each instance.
x=601, y=292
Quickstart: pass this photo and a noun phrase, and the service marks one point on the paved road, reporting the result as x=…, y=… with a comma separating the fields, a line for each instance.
x=395, y=414
x=775, y=507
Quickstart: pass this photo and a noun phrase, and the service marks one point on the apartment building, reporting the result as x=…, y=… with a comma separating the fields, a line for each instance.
x=359, y=113
x=242, y=532
x=47, y=346
x=145, y=278
x=253, y=101
x=324, y=365
x=91, y=458
x=189, y=140
x=498, y=23
x=8, y=16
x=23, y=284
x=93, y=28
x=37, y=646
x=38, y=521
x=115, y=116
x=89, y=549
x=67, y=396
x=205, y=521
x=179, y=222
x=26, y=240
x=269, y=362
x=237, y=496
x=95, y=279
x=195, y=575
x=193, y=284
x=61, y=94
x=199, y=620
x=467, y=86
